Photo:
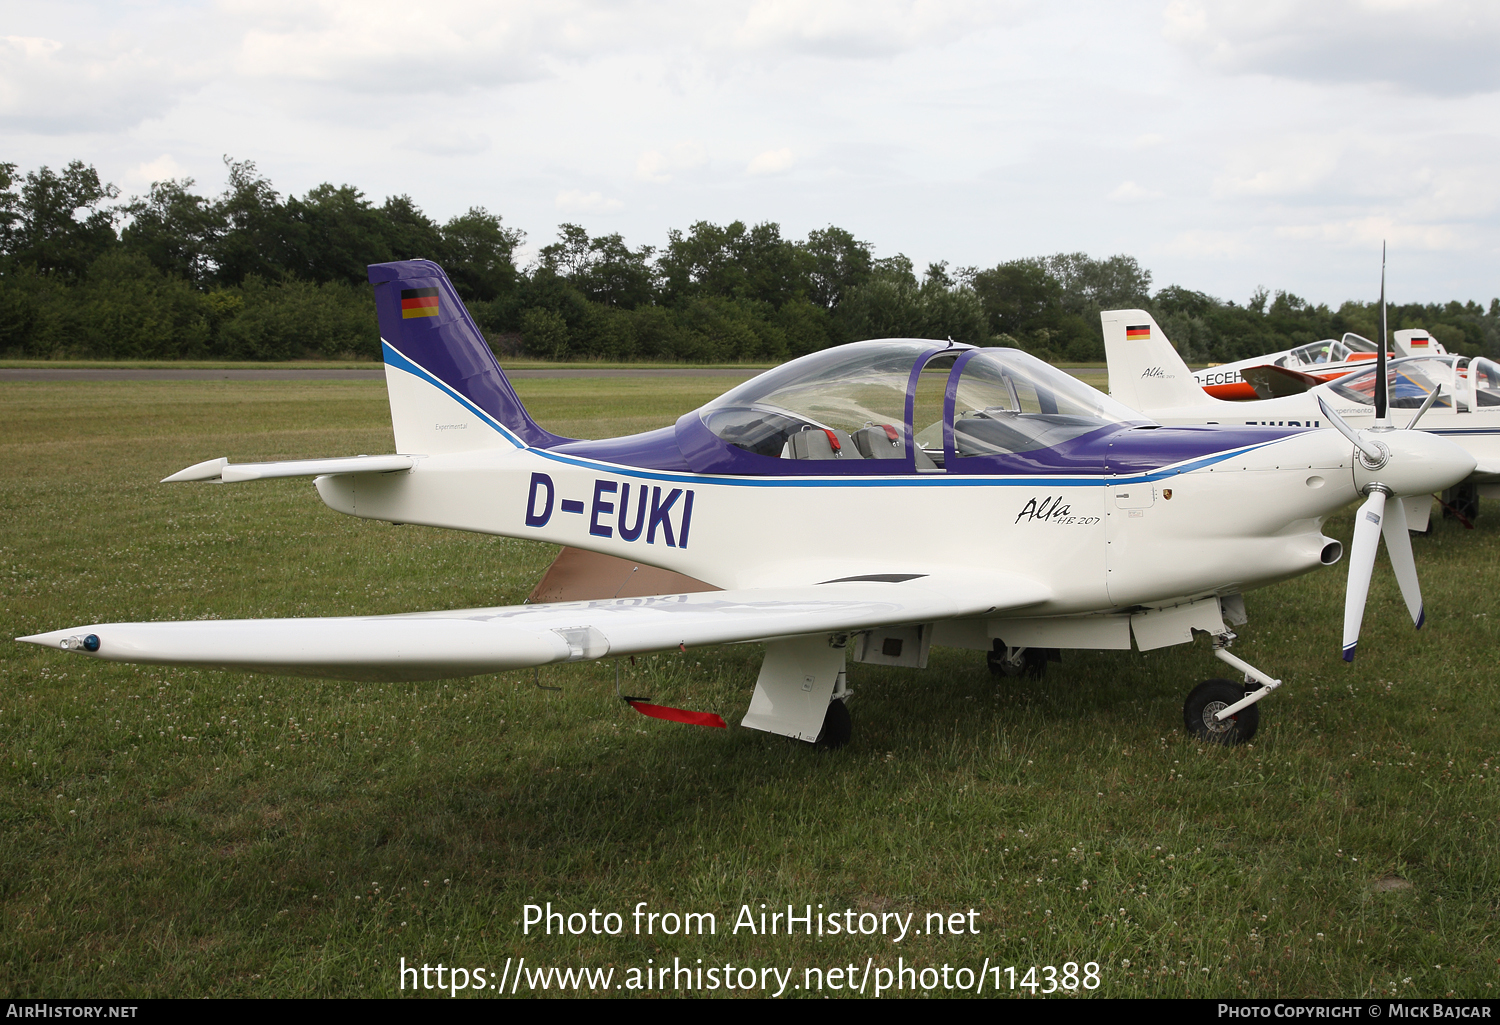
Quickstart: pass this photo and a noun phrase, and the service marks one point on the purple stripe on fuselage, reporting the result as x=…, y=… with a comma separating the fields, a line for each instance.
x=1143, y=449
x=653, y=450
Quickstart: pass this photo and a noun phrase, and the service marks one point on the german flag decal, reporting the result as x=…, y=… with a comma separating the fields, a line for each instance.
x=1140, y=333
x=419, y=302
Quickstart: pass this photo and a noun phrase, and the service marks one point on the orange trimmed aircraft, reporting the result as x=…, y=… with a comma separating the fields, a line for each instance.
x=1293, y=371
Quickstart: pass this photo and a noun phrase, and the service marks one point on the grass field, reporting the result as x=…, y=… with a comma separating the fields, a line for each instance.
x=183, y=833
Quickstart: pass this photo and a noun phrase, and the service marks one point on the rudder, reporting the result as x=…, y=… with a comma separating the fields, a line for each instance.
x=1145, y=372
x=446, y=389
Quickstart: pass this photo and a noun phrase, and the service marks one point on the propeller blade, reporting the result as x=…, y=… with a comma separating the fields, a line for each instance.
x=1426, y=405
x=1398, y=547
x=1381, y=392
x=1361, y=563
x=1355, y=437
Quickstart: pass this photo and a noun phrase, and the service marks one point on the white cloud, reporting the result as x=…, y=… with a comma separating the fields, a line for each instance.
x=1286, y=165
x=772, y=161
x=51, y=87
x=1130, y=192
x=576, y=201
x=440, y=141
x=385, y=46
x=1430, y=46
x=866, y=28
x=1207, y=243
x=163, y=168
x=1371, y=232
x=657, y=166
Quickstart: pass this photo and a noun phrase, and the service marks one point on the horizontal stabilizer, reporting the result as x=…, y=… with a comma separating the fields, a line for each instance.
x=470, y=642
x=229, y=473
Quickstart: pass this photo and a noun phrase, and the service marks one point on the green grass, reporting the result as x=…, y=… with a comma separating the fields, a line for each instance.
x=178, y=833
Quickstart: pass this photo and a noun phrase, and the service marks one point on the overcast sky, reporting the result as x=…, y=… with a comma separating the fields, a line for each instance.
x=1227, y=144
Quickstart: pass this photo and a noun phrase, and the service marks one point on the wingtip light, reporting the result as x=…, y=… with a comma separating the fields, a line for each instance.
x=65, y=640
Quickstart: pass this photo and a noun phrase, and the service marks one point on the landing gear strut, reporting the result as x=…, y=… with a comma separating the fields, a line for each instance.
x=837, y=726
x=1461, y=503
x=1012, y=662
x=1220, y=712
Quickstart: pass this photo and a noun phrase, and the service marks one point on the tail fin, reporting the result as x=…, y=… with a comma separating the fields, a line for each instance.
x=1416, y=343
x=447, y=392
x=1145, y=372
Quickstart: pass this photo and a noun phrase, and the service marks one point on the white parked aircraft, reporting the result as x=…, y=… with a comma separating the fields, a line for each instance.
x=883, y=496
x=1329, y=357
x=1296, y=370
x=1146, y=373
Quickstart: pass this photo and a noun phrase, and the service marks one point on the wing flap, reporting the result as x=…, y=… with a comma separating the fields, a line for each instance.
x=469, y=642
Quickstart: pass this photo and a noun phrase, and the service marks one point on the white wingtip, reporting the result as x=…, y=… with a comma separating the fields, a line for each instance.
x=67, y=640
x=209, y=469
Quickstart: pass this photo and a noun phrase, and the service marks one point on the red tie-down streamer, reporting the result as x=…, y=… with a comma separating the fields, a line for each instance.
x=645, y=707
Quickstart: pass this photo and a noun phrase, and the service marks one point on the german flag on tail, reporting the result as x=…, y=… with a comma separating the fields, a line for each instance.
x=419, y=302
x=1138, y=333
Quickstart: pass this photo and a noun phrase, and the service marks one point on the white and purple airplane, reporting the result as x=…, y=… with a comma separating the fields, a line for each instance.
x=876, y=498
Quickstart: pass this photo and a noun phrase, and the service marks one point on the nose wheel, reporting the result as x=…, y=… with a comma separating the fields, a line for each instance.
x=1200, y=713
x=1204, y=711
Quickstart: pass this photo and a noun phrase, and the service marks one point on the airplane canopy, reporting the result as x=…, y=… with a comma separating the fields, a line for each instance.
x=900, y=406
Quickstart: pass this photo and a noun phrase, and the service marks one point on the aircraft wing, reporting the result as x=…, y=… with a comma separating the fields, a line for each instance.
x=1273, y=382
x=1487, y=471
x=469, y=642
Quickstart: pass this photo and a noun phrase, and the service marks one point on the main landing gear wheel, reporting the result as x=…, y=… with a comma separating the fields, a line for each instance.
x=1461, y=503
x=1209, y=697
x=837, y=727
x=1031, y=662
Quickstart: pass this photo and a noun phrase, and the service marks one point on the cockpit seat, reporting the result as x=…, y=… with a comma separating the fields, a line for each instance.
x=879, y=442
x=821, y=443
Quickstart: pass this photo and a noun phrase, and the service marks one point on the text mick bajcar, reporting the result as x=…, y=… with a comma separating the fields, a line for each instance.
x=794, y=921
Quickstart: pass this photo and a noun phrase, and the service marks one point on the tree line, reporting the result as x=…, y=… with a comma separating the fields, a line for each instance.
x=250, y=275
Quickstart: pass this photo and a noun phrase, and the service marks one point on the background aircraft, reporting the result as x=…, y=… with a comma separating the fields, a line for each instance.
x=1147, y=374
x=1293, y=371
x=880, y=497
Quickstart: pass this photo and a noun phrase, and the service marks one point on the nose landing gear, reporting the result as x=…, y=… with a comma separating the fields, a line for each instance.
x=1221, y=712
